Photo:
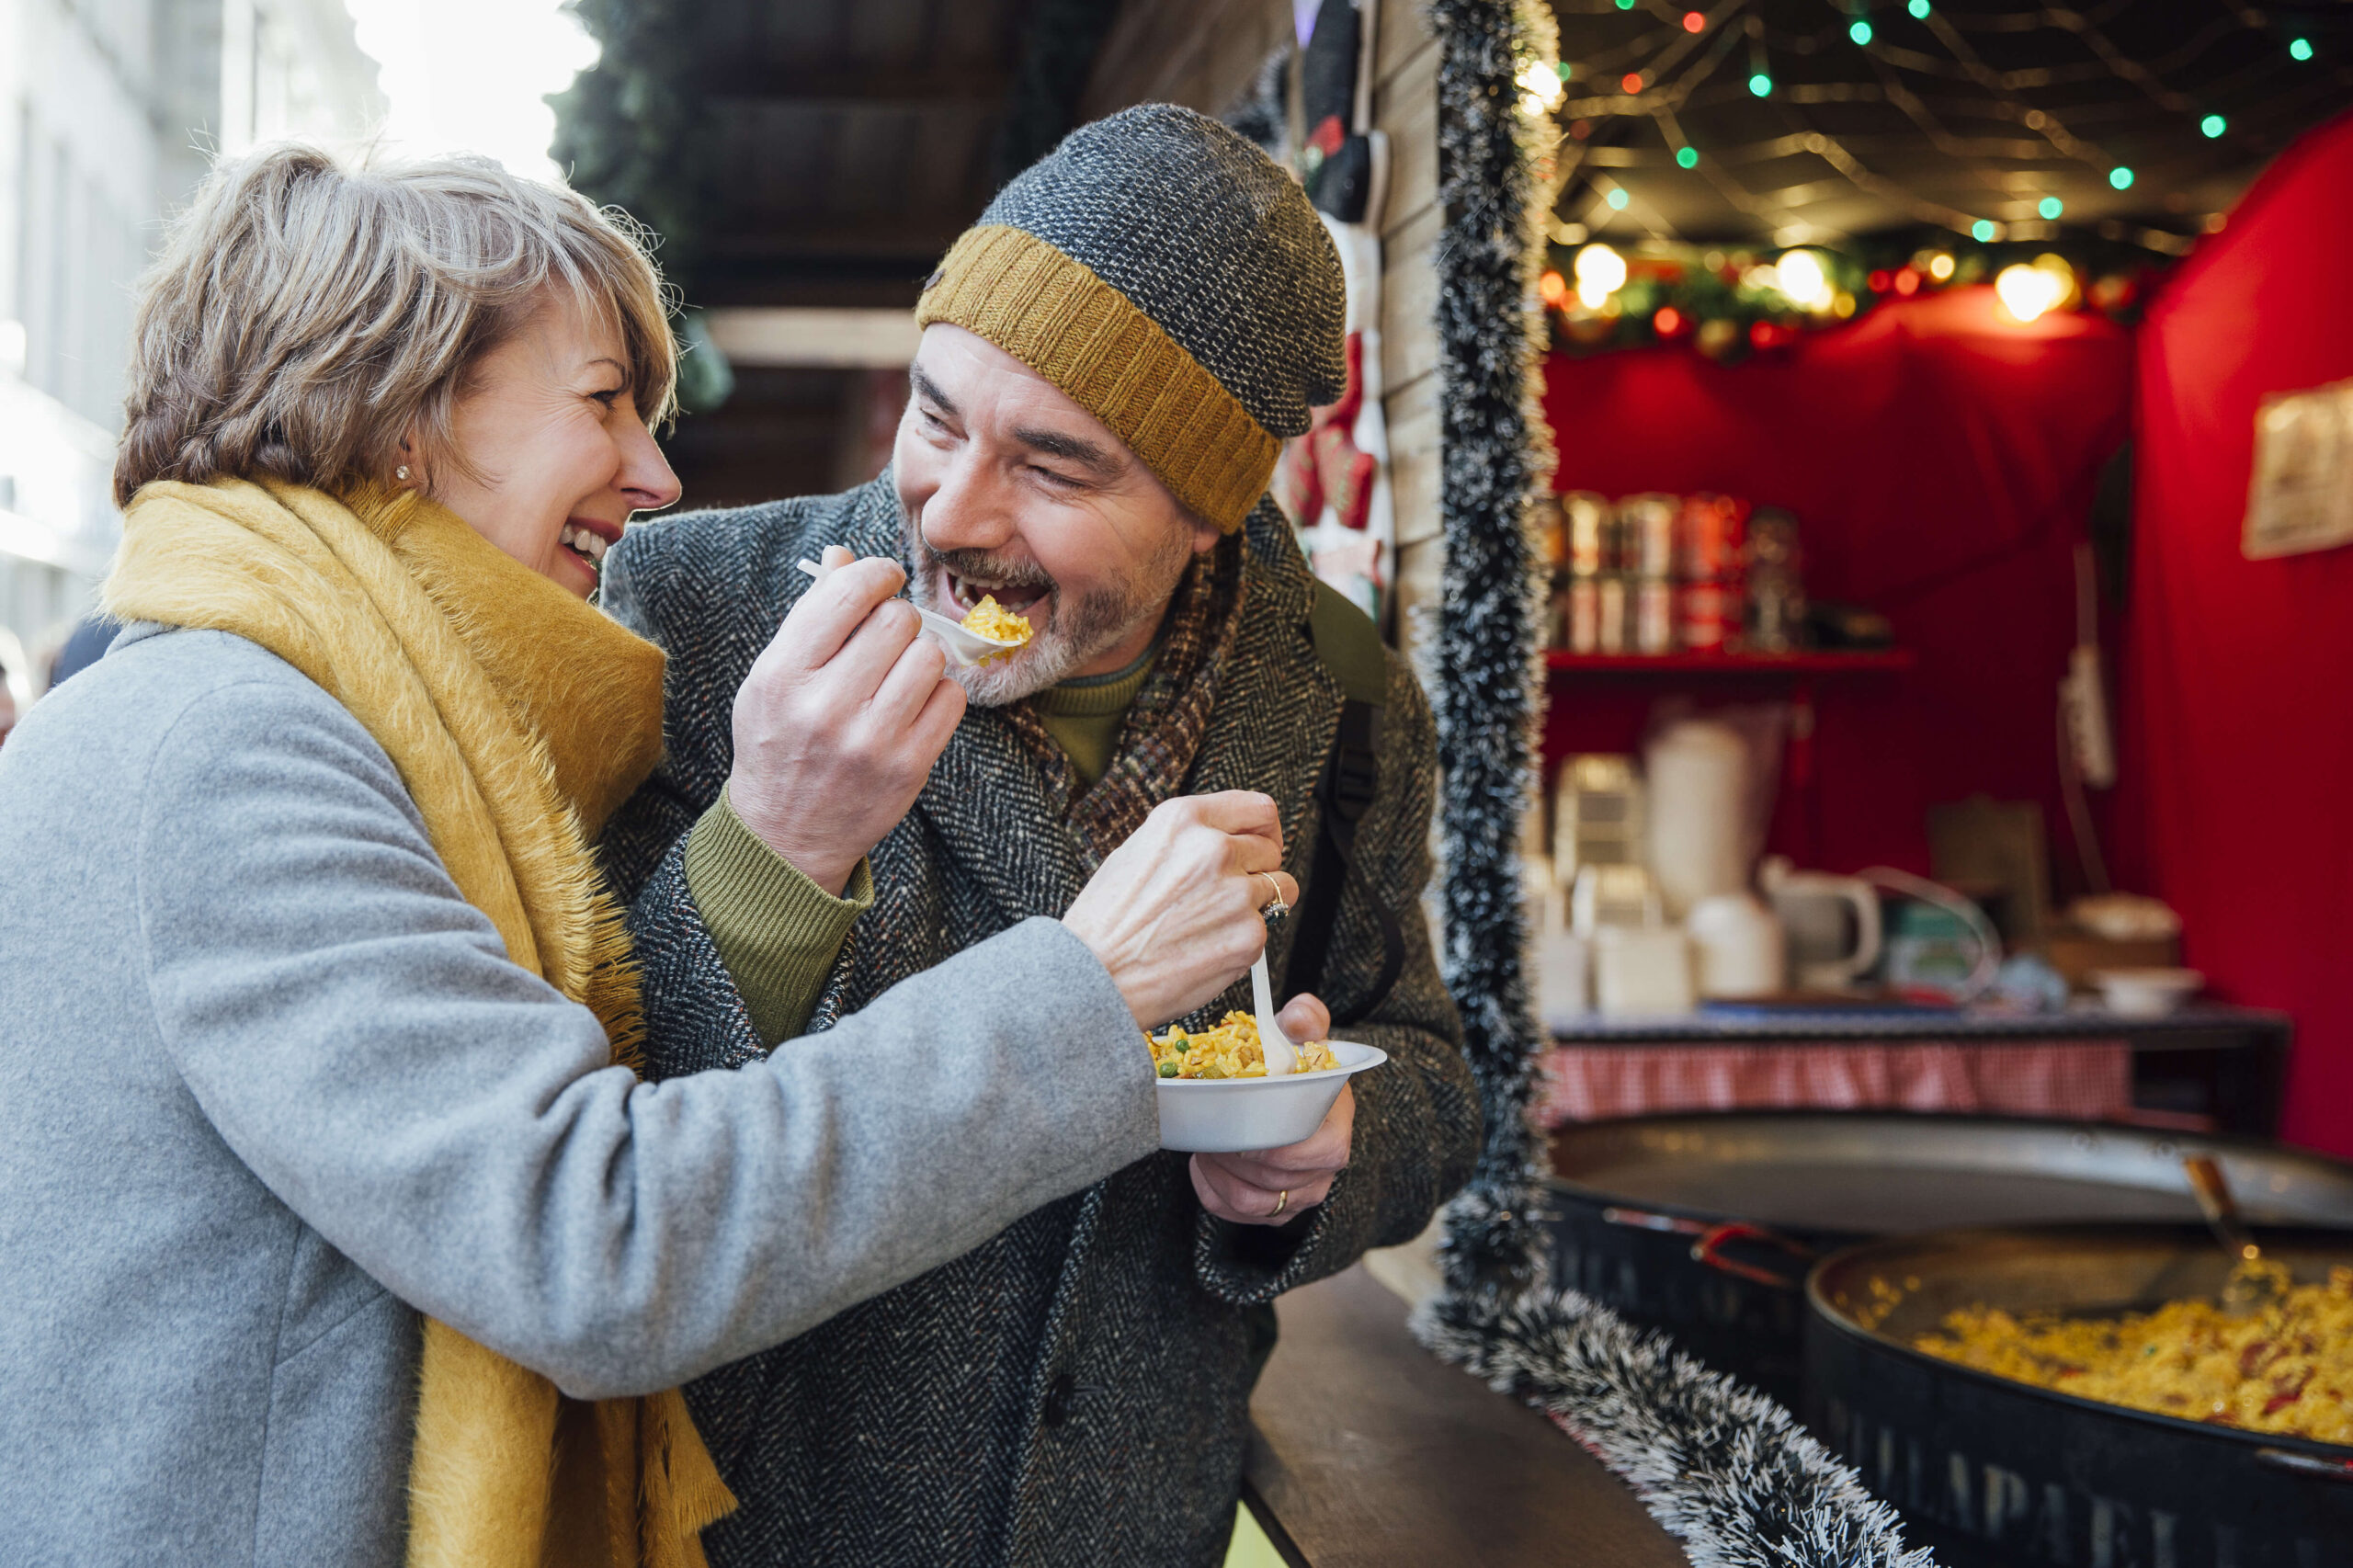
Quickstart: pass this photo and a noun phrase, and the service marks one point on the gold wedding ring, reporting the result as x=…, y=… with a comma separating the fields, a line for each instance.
x=1283, y=1201
x=1274, y=908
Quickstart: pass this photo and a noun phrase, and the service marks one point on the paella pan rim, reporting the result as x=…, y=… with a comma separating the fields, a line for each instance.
x=1818, y=1303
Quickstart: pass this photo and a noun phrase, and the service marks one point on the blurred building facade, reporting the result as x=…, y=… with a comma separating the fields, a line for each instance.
x=109, y=110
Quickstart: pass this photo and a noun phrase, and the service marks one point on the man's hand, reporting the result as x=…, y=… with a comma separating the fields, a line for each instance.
x=1273, y=1185
x=838, y=723
x=1173, y=912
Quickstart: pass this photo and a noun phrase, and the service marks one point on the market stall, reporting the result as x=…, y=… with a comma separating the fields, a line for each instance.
x=1853, y=732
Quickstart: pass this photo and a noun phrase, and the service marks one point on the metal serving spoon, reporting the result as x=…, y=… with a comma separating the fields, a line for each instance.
x=964, y=645
x=2242, y=1290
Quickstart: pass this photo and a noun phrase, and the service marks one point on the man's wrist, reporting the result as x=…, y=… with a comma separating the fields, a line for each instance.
x=823, y=864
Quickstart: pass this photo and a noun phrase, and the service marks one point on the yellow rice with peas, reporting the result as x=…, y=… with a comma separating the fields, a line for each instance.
x=1232, y=1050
x=990, y=619
x=2285, y=1367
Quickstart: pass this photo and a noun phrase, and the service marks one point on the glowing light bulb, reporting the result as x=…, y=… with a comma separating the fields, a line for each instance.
x=2213, y=125
x=2120, y=178
x=1920, y=10
x=2051, y=207
x=2026, y=291
x=1861, y=32
x=1631, y=82
x=1686, y=158
x=1600, y=272
x=1541, y=83
x=1693, y=22
x=1941, y=267
x=1553, y=288
x=1804, y=281
x=1761, y=84
x=1618, y=198
x=2299, y=49
x=1983, y=230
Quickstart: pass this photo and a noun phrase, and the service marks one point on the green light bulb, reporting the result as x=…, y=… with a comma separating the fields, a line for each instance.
x=1982, y=231
x=2213, y=125
x=1761, y=84
x=1920, y=10
x=2120, y=178
x=2299, y=49
x=1617, y=198
x=1686, y=156
x=1861, y=32
x=2050, y=207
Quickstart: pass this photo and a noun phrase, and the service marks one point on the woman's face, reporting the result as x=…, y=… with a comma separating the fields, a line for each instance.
x=548, y=423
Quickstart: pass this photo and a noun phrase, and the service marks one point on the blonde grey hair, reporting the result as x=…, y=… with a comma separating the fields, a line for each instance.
x=306, y=313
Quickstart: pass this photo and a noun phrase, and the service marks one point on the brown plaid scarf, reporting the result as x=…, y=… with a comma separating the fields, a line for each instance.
x=1171, y=713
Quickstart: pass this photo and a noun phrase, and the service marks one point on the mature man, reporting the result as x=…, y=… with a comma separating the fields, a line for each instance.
x=1108, y=361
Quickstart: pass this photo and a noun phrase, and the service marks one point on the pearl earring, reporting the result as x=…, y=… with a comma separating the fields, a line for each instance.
x=401, y=472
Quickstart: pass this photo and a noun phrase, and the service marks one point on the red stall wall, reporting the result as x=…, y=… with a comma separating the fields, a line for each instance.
x=2239, y=744
x=1941, y=460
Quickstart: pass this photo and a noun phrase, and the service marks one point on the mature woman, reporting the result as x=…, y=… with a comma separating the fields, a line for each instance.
x=325, y=1168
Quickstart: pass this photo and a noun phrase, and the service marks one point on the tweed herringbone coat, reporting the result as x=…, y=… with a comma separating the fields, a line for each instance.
x=1074, y=1390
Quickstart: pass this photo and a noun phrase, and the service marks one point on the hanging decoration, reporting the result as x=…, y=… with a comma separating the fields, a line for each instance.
x=1729, y=1473
x=1773, y=123
x=1497, y=463
x=1332, y=482
x=1727, y=1470
x=1729, y=301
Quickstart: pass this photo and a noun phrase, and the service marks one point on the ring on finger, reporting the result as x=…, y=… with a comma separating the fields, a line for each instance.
x=1274, y=908
x=1283, y=1201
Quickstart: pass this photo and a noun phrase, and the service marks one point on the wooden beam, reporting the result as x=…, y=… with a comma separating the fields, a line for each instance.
x=822, y=85
x=846, y=338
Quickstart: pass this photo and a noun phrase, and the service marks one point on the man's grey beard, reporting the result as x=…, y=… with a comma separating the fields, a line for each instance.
x=1083, y=630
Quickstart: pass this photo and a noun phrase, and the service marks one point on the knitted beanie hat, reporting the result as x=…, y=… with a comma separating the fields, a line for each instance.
x=1176, y=283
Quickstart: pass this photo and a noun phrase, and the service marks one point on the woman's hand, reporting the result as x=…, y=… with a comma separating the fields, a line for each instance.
x=1173, y=912
x=1272, y=1187
x=838, y=723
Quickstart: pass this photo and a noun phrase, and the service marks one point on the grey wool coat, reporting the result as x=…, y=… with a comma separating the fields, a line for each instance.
x=1074, y=1391
x=273, y=1089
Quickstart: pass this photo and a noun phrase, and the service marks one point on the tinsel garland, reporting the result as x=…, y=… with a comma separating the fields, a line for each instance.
x=1497, y=464
x=1726, y=1470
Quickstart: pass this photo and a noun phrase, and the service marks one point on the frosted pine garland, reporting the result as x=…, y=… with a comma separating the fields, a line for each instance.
x=1496, y=462
x=1722, y=1467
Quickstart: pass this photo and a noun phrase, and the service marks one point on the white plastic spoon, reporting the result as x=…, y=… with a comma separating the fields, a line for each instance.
x=1282, y=1057
x=964, y=645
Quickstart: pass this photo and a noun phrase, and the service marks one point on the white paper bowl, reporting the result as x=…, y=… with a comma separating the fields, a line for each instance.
x=1227, y=1115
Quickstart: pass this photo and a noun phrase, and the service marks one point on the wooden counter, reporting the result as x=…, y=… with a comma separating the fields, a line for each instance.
x=1369, y=1452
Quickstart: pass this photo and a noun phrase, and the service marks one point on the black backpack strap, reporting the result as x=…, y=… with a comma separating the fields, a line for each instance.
x=1350, y=646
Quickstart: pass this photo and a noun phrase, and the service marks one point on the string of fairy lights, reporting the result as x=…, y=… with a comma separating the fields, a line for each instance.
x=1919, y=59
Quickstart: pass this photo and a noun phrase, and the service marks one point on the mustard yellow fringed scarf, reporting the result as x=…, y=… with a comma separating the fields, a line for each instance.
x=519, y=718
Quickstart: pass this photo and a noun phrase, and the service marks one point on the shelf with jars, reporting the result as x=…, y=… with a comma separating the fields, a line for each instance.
x=1691, y=586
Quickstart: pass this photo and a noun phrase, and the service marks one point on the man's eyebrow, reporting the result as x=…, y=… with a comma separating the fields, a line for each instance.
x=929, y=390
x=1072, y=448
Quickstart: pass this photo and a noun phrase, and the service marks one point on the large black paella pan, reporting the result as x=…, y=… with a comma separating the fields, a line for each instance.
x=1991, y=1472
x=1704, y=1225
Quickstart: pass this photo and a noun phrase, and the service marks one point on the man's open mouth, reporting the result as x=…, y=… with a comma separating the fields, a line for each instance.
x=966, y=593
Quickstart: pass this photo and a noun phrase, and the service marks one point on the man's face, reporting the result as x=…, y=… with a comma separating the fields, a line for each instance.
x=1009, y=488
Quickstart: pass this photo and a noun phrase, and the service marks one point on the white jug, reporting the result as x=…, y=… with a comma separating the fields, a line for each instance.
x=1813, y=906
x=1697, y=777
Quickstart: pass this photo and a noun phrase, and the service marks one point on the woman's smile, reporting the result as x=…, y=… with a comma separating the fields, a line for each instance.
x=587, y=539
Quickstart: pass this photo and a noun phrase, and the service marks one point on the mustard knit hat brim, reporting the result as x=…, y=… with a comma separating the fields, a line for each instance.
x=1053, y=314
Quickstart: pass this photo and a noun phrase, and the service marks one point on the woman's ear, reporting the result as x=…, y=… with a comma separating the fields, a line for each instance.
x=407, y=470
